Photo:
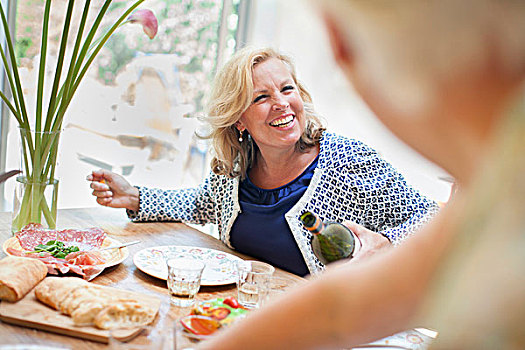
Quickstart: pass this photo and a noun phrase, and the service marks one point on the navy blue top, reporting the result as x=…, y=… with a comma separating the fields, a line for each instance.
x=261, y=229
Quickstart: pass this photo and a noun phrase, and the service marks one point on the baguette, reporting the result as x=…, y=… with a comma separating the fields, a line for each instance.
x=85, y=314
x=94, y=305
x=53, y=290
x=124, y=314
x=81, y=295
x=18, y=276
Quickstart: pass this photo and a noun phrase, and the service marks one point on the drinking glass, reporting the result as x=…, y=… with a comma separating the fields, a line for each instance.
x=184, y=280
x=253, y=281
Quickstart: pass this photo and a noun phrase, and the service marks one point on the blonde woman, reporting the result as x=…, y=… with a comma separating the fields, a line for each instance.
x=274, y=160
x=448, y=77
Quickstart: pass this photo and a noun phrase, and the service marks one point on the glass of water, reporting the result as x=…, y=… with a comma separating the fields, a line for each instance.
x=253, y=282
x=184, y=280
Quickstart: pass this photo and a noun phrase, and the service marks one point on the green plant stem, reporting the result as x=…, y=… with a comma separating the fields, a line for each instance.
x=40, y=146
x=10, y=106
x=18, y=90
x=42, y=72
x=60, y=62
x=11, y=85
x=34, y=193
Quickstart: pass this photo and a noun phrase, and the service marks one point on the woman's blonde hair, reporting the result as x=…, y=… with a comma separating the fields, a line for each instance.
x=230, y=96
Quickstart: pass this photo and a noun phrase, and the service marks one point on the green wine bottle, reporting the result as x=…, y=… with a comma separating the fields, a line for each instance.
x=331, y=241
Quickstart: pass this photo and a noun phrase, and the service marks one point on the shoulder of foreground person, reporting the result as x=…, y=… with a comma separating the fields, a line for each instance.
x=352, y=305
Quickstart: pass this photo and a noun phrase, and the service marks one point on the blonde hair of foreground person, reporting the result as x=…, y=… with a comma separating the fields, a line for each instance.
x=231, y=95
x=448, y=78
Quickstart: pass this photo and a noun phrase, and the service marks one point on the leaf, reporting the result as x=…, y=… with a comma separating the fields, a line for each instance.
x=7, y=175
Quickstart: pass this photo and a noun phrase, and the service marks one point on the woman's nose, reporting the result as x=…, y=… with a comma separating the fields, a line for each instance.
x=280, y=104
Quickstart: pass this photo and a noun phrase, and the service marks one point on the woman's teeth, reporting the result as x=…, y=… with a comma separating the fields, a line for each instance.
x=282, y=122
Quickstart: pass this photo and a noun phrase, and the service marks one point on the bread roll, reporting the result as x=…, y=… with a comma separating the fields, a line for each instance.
x=18, y=276
x=53, y=290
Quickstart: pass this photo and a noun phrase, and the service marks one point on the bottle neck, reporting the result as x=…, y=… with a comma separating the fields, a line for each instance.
x=317, y=227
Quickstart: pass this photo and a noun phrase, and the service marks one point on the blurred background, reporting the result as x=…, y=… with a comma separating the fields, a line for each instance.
x=136, y=111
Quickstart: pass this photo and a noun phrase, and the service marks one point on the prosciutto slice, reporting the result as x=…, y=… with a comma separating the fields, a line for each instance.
x=84, y=263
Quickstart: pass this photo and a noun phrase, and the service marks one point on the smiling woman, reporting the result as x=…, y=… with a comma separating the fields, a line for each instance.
x=273, y=161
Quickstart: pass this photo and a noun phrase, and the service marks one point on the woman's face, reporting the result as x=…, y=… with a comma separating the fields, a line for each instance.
x=275, y=119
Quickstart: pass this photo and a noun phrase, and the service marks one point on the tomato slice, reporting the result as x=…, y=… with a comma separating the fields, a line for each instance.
x=219, y=313
x=200, y=325
x=232, y=302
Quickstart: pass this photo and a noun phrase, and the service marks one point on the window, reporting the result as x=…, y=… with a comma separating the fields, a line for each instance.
x=135, y=111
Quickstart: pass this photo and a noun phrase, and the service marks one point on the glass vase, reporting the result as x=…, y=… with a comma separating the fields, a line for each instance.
x=34, y=202
x=36, y=189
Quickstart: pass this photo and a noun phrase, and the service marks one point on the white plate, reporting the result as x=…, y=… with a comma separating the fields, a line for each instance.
x=219, y=270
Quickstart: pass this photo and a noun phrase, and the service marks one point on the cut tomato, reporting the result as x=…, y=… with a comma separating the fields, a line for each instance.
x=231, y=301
x=200, y=325
x=219, y=313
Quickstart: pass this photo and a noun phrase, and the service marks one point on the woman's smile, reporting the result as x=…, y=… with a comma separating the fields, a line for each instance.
x=283, y=122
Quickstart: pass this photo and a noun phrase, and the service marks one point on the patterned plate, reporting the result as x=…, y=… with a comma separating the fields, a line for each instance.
x=414, y=339
x=219, y=270
x=112, y=257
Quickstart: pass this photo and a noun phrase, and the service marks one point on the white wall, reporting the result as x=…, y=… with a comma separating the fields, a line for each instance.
x=292, y=27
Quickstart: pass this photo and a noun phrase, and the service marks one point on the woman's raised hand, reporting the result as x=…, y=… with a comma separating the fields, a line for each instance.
x=112, y=190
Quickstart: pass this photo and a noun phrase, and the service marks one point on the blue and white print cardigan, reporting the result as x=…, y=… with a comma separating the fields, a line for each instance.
x=351, y=182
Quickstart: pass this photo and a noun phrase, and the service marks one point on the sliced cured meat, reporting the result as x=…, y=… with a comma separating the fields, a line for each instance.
x=78, y=264
x=85, y=258
x=92, y=237
x=32, y=235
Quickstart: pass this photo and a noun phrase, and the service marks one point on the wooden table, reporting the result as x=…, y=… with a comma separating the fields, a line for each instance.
x=126, y=275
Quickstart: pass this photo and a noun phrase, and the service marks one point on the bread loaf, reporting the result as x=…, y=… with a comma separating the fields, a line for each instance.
x=85, y=314
x=18, y=276
x=80, y=295
x=53, y=290
x=91, y=304
x=124, y=314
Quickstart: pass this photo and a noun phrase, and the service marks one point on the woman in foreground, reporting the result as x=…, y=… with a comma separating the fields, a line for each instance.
x=448, y=78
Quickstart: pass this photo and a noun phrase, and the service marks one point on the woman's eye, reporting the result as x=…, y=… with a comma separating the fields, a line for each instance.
x=288, y=87
x=258, y=98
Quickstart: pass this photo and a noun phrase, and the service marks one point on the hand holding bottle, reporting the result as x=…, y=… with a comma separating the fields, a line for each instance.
x=331, y=241
x=112, y=190
x=371, y=242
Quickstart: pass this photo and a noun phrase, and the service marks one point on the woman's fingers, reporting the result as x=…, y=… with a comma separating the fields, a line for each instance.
x=356, y=228
x=371, y=242
x=102, y=194
x=99, y=186
x=104, y=201
x=99, y=175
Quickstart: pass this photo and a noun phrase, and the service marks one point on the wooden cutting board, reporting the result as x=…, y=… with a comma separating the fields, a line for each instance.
x=29, y=312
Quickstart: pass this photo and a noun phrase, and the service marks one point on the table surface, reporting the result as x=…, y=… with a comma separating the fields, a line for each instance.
x=125, y=275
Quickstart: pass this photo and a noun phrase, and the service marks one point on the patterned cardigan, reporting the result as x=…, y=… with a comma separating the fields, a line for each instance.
x=351, y=182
